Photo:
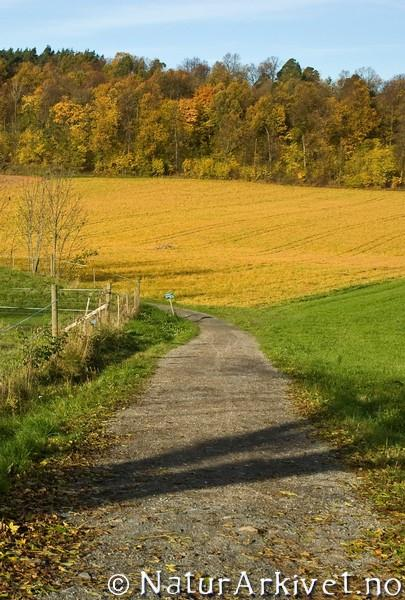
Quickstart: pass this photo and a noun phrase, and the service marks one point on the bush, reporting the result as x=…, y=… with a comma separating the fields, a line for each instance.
x=121, y=164
x=158, y=167
x=229, y=169
x=257, y=173
x=39, y=347
x=371, y=165
x=209, y=168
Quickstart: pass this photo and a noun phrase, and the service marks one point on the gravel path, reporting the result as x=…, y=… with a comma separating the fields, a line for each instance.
x=216, y=474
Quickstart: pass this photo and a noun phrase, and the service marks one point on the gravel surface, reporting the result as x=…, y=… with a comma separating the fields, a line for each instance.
x=216, y=473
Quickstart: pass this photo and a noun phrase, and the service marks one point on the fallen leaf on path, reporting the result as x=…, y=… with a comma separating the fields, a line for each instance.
x=287, y=493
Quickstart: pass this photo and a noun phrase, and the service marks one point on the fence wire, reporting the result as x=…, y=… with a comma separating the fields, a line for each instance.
x=72, y=300
x=16, y=325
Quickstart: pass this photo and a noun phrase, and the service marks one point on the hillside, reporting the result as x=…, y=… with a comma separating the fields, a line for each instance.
x=237, y=243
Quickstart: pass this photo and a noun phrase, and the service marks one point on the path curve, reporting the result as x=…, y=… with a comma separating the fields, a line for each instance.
x=216, y=473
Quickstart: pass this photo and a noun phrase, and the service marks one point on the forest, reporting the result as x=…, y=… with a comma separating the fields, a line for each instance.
x=134, y=116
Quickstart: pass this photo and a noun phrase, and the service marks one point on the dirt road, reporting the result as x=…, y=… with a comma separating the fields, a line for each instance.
x=215, y=473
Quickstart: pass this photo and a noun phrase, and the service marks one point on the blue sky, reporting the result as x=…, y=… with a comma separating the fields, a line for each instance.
x=330, y=35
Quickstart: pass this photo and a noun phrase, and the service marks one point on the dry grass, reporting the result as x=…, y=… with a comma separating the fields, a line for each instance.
x=238, y=243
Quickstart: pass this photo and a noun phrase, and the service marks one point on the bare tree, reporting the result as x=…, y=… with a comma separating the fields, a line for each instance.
x=50, y=219
x=32, y=220
x=373, y=80
x=267, y=69
x=65, y=220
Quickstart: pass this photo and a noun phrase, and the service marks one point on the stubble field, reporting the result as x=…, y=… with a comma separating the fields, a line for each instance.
x=242, y=244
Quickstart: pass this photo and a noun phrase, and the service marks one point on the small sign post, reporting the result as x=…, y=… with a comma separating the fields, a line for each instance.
x=169, y=296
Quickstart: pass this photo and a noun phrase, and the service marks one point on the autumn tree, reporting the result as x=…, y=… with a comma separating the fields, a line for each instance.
x=392, y=109
x=267, y=120
x=358, y=116
x=152, y=135
x=175, y=126
x=134, y=115
x=231, y=105
x=104, y=124
x=5, y=205
x=70, y=125
x=24, y=81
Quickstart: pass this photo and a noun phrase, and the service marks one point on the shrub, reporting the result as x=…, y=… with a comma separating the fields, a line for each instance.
x=255, y=173
x=229, y=169
x=210, y=168
x=371, y=165
x=158, y=167
x=122, y=164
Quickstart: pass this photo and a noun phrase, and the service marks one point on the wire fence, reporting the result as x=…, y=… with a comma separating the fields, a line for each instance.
x=17, y=325
x=40, y=317
x=72, y=304
x=67, y=314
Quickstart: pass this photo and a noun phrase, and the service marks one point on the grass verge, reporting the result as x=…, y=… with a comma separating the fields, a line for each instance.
x=63, y=428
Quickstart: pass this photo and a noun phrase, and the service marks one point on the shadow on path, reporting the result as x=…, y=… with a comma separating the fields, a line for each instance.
x=218, y=462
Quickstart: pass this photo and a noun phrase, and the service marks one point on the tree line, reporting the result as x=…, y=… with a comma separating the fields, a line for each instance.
x=131, y=115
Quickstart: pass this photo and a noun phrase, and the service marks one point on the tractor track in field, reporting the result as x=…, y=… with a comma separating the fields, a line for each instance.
x=215, y=473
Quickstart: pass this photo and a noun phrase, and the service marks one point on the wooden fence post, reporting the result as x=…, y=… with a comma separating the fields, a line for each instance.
x=118, y=310
x=137, y=296
x=55, y=320
x=108, y=298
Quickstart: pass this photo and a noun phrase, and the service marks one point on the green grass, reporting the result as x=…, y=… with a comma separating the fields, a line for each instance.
x=62, y=415
x=346, y=351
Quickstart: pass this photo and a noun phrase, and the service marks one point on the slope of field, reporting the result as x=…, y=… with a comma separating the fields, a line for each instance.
x=347, y=348
x=236, y=243
x=239, y=243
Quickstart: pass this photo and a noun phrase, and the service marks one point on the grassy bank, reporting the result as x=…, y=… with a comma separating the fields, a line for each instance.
x=63, y=414
x=346, y=352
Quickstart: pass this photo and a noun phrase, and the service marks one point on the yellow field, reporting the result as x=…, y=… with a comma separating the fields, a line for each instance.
x=238, y=243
